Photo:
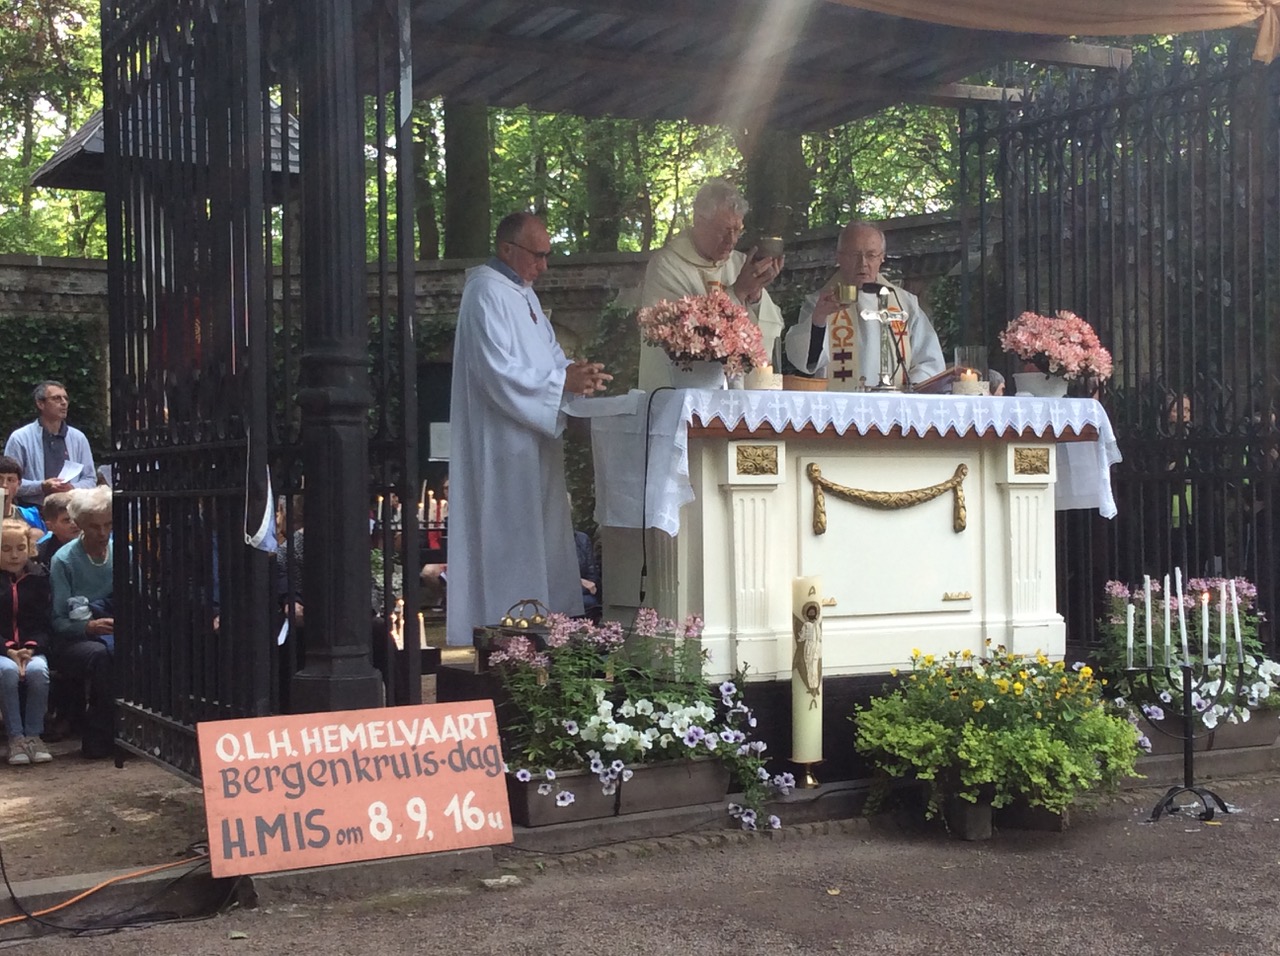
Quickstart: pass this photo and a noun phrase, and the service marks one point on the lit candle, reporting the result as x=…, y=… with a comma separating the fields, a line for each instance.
x=968, y=375
x=1168, y=630
x=1128, y=639
x=422, y=498
x=422, y=630
x=1235, y=615
x=1204, y=625
x=1182, y=615
x=379, y=511
x=1222, y=621
x=1146, y=598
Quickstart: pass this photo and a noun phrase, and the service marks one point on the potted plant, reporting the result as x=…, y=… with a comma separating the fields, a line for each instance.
x=997, y=728
x=709, y=336
x=1061, y=348
x=602, y=721
x=1223, y=697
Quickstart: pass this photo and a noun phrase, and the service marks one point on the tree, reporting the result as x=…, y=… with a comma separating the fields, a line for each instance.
x=51, y=53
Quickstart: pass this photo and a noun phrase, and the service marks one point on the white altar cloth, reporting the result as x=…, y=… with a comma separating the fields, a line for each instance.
x=1084, y=467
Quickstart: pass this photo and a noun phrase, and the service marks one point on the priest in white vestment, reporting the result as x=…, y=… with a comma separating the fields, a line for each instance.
x=856, y=355
x=510, y=531
x=702, y=258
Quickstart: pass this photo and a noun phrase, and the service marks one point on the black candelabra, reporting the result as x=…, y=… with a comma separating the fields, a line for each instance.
x=1195, y=682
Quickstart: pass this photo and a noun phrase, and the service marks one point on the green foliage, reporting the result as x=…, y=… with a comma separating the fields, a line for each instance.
x=69, y=350
x=51, y=58
x=897, y=162
x=1006, y=727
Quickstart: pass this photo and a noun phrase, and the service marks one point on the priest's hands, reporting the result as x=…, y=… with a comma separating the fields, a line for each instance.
x=585, y=378
x=826, y=306
x=755, y=275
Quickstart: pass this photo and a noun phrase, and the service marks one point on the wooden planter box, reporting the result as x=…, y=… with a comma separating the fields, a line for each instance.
x=1261, y=730
x=659, y=786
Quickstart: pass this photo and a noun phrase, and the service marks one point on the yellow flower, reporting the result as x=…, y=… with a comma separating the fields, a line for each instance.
x=893, y=672
x=1017, y=687
x=1002, y=685
x=955, y=695
x=915, y=653
x=1086, y=672
x=928, y=660
x=1037, y=715
x=1022, y=674
x=966, y=654
x=1041, y=659
x=979, y=704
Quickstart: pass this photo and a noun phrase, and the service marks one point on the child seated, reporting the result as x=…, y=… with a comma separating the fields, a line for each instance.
x=24, y=621
x=62, y=529
x=10, y=480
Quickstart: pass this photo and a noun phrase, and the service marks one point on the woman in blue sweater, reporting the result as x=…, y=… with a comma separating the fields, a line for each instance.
x=83, y=635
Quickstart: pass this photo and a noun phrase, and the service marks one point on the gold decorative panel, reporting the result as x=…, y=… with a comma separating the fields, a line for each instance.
x=1031, y=461
x=757, y=459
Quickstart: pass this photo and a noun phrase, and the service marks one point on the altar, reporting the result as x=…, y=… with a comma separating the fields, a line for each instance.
x=929, y=519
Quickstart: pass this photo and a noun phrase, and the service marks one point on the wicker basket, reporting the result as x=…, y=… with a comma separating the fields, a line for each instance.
x=801, y=383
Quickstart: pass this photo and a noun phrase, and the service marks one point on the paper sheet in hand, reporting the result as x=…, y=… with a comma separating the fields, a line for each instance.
x=70, y=471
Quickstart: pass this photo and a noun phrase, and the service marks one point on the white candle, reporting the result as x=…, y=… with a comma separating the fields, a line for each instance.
x=1235, y=615
x=1222, y=621
x=1168, y=630
x=1146, y=599
x=1182, y=615
x=422, y=631
x=1204, y=625
x=1128, y=639
x=806, y=707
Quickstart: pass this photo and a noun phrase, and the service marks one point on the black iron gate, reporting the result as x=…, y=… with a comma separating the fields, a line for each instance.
x=209, y=333
x=1147, y=202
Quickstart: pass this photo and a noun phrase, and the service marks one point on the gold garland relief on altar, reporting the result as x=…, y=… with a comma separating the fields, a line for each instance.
x=887, y=500
x=757, y=459
x=1031, y=461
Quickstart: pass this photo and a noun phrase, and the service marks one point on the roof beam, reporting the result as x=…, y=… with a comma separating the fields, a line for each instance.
x=965, y=94
x=1090, y=56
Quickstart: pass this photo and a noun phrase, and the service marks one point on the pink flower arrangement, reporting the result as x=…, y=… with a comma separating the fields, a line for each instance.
x=709, y=327
x=1064, y=345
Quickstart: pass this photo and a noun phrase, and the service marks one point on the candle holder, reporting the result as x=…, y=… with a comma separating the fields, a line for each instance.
x=1194, y=680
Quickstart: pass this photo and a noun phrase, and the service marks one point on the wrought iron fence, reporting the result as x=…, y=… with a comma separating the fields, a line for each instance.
x=208, y=336
x=1147, y=203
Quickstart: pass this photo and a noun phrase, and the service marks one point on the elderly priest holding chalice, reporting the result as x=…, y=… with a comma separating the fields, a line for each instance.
x=833, y=339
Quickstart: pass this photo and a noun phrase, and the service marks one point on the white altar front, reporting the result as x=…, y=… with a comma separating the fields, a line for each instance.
x=724, y=489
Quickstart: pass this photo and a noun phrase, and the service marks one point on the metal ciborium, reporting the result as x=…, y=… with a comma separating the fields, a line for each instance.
x=889, y=360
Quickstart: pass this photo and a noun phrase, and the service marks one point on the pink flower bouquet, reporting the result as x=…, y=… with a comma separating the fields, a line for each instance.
x=709, y=327
x=1064, y=345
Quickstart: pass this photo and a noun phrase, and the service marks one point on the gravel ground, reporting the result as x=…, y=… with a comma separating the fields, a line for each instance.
x=1111, y=884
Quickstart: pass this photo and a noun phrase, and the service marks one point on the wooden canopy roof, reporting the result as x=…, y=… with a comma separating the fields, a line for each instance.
x=788, y=64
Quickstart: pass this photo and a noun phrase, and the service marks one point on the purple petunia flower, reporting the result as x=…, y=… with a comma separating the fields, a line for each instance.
x=727, y=689
x=524, y=776
x=693, y=736
x=564, y=798
x=571, y=728
x=550, y=774
x=1152, y=712
x=774, y=822
x=544, y=789
x=617, y=766
x=1144, y=743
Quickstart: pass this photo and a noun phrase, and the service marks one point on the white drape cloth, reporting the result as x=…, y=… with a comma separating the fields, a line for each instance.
x=1084, y=467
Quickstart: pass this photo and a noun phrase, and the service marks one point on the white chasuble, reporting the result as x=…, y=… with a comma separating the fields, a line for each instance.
x=851, y=346
x=677, y=270
x=510, y=530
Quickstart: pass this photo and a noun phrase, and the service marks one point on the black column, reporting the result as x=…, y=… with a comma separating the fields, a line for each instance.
x=335, y=395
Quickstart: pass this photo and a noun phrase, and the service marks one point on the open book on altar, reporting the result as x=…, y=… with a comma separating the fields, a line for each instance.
x=939, y=384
